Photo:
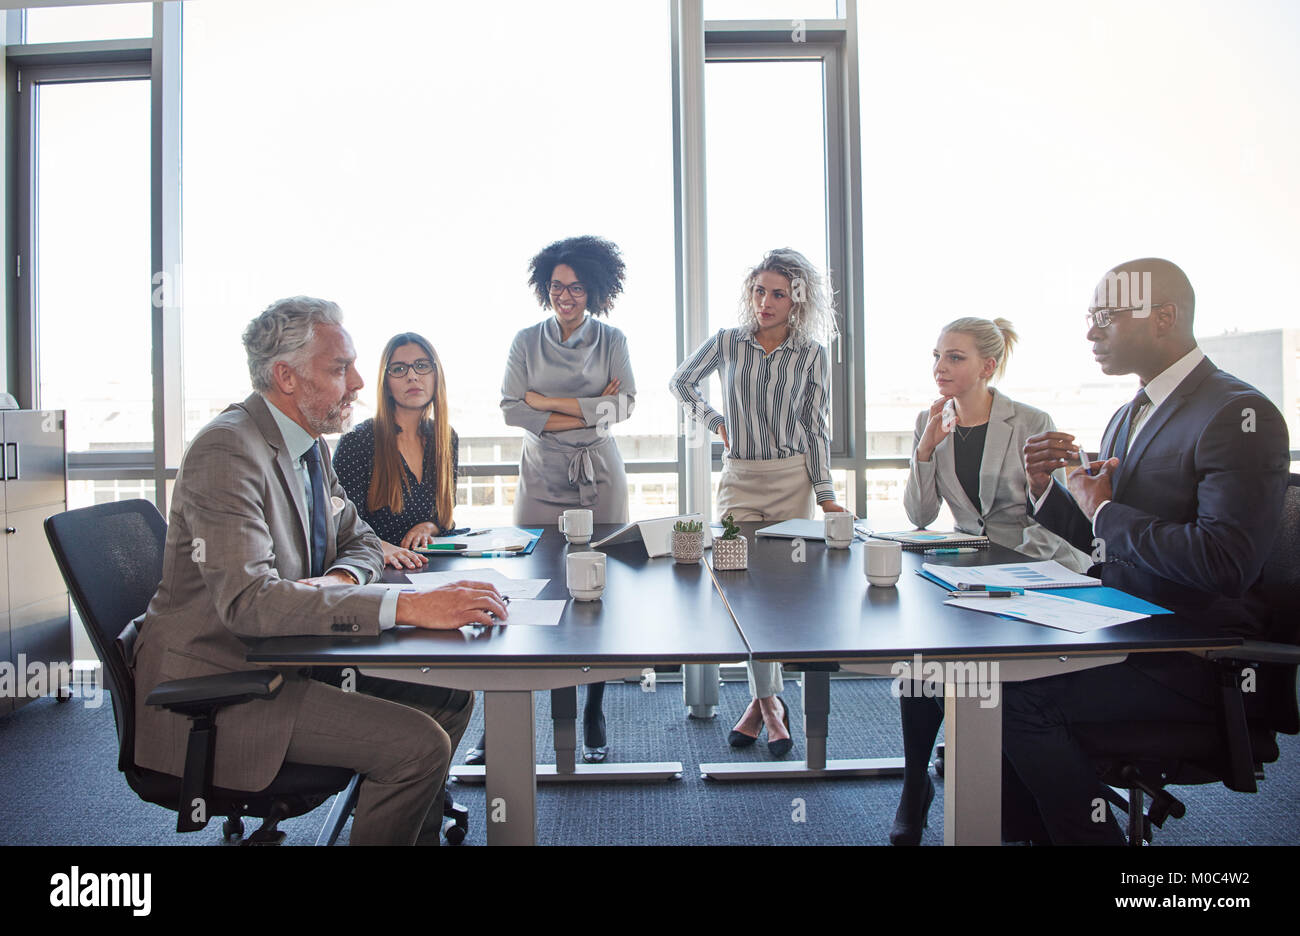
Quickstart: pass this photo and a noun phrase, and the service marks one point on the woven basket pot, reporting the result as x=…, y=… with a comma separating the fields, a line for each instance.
x=730, y=554
x=688, y=547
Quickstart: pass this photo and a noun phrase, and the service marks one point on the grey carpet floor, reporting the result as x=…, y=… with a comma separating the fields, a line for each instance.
x=59, y=783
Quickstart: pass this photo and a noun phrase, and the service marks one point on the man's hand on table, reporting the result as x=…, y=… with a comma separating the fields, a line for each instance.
x=452, y=606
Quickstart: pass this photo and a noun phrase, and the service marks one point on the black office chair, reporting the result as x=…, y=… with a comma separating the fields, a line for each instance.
x=1143, y=758
x=111, y=557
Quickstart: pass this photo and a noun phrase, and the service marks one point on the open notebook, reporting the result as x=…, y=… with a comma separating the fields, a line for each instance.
x=934, y=539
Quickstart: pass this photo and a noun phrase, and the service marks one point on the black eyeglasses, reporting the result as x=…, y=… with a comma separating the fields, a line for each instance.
x=422, y=366
x=1102, y=316
x=576, y=290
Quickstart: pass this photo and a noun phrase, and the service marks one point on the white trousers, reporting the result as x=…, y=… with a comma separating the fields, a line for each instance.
x=773, y=490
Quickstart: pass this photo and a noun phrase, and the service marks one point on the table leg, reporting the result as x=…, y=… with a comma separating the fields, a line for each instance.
x=511, y=784
x=972, y=775
x=564, y=716
x=816, y=716
x=700, y=689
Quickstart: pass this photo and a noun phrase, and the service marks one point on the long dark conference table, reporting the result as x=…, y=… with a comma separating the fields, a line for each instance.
x=819, y=612
x=654, y=612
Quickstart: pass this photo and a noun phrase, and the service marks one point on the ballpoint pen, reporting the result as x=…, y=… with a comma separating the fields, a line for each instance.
x=1007, y=593
x=951, y=550
x=967, y=588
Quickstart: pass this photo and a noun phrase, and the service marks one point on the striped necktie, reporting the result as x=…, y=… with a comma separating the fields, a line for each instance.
x=312, y=458
x=1119, y=443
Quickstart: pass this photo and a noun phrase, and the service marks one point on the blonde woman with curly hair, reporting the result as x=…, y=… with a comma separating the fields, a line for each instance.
x=775, y=373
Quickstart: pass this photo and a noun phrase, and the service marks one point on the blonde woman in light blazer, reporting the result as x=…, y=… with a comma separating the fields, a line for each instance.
x=967, y=452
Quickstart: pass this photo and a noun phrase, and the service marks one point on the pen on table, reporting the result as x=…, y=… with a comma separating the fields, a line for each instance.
x=950, y=550
x=478, y=533
x=998, y=593
x=445, y=546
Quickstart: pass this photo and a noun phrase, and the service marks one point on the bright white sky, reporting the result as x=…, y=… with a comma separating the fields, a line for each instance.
x=406, y=159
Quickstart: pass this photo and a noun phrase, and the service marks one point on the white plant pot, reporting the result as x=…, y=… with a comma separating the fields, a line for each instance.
x=730, y=554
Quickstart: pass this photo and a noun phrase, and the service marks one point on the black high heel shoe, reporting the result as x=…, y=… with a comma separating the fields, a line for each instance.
x=740, y=739
x=909, y=822
x=594, y=746
x=478, y=754
x=781, y=746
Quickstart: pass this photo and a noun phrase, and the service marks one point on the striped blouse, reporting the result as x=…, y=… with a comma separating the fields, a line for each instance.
x=777, y=404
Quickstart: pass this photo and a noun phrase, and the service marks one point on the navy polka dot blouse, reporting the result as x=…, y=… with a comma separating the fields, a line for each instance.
x=354, y=460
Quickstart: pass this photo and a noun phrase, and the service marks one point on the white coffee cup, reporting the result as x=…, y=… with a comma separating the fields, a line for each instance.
x=575, y=524
x=882, y=561
x=839, y=529
x=585, y=574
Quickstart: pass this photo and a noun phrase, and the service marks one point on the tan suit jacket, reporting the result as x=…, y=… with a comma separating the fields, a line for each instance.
x=237, y=540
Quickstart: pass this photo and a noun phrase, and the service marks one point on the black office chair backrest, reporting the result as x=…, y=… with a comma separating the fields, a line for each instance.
x=111, y=557
x=1280, y=578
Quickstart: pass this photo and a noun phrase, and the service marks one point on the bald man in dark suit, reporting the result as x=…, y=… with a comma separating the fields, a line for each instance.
x=1181, y=511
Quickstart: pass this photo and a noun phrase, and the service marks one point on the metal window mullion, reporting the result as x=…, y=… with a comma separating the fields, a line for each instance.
x=854, y=301
x=165, y=225
x=692, y=233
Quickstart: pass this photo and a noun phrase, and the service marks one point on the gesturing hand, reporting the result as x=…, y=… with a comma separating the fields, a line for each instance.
x=452, y=606
x=1091, y=491
x=1044, y=453
x=935, y=430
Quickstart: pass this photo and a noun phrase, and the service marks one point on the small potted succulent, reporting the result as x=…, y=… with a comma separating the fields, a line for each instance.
x=688, y=541
x=730, y=550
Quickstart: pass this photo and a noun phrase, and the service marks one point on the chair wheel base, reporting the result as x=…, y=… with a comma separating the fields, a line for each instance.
x=232, y=828
x=265, y=836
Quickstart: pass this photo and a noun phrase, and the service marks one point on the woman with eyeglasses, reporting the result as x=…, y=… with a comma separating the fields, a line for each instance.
x=966, y=451
x=775, y=373
x=568, y=380
x=400, y=467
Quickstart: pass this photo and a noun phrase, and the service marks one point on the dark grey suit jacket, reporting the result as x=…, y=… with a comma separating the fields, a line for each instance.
x=237, y=541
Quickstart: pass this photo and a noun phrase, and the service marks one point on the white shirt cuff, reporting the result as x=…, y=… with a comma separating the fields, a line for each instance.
x=1097, y=514
x=388, y=610
x=361, y=575
x=1038, y=504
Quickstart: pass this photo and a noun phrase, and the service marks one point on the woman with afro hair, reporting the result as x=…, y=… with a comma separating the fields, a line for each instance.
x=567, y=381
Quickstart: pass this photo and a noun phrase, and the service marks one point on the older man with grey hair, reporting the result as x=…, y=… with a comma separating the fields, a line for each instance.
x=283, y=552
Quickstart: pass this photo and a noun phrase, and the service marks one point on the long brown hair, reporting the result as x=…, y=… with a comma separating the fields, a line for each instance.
x=387, y=478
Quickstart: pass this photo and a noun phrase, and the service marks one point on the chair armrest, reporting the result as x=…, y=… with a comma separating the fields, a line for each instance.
x=1259, y=651
x=201, y=693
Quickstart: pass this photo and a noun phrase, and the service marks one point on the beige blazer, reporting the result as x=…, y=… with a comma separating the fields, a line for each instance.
x=237, y=541
x=1001, y=513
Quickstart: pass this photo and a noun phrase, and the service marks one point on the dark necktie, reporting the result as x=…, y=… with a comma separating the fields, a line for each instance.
x=1119, y=444
x=317, y=509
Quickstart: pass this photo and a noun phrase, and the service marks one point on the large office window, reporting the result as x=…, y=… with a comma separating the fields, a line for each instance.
x=90, y=22
x=414, y=189
x=1013, y=156
x=87, y=260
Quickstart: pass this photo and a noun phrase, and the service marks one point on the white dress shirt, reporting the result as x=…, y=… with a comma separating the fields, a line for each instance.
x=299, y=441
x=1158, y=390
